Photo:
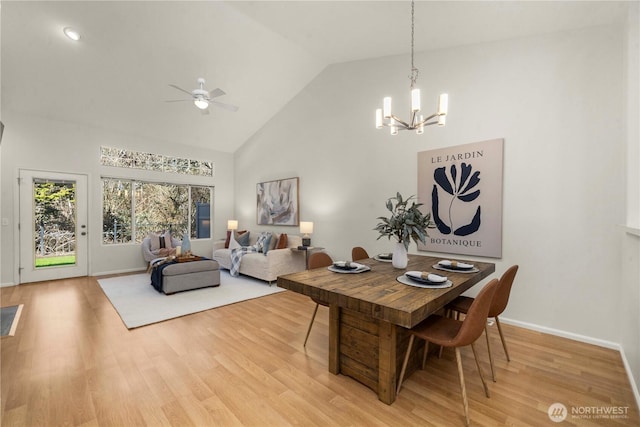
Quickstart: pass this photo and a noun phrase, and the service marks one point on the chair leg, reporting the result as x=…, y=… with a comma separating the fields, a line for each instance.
x=447, y=313
x=484, y=383
x=462, y=386
x=426, y=352
x=404, y=364
x=504, y=343
x=493, y=371
x=315, y=310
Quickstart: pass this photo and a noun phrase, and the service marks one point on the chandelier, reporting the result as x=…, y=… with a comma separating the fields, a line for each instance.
x=384, y=116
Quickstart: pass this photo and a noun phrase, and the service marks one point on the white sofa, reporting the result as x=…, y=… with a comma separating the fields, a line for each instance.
x=264, y=267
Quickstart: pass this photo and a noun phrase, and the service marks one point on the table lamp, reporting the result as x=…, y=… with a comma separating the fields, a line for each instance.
x=232, y=225
x=306, y=228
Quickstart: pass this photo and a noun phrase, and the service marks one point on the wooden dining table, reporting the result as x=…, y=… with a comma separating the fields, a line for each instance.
x=370, y=314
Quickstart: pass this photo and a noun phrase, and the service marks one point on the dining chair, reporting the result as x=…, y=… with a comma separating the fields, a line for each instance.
x=498, y=305
x=450, y=332
x=358, y=253
x=317, y=260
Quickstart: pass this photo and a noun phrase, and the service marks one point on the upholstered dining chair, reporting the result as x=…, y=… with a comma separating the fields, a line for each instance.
x=358, y=253
x=317, y=260
x=450, y=332
x=499, y=303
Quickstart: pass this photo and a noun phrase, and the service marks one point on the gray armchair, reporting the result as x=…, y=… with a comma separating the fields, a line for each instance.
x=150, y=255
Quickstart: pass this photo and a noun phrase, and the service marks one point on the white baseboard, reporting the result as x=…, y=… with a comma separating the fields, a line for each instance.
x=564, y=334
x=634, y=386
x=585, y=339
x=6, y=285
x=128, y=270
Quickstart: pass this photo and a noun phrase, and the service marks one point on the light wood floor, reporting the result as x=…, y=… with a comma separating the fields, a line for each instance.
x=72, y=362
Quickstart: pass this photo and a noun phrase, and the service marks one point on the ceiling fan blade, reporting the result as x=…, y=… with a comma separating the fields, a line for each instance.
x=225, y=106
x=216, y=92
x=180, y=89
x=179, y=100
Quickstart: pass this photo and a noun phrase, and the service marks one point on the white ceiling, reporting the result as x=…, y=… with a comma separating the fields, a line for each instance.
x=261, y=53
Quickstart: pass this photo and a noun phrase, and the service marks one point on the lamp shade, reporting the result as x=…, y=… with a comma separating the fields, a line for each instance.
x=306, y=227
x=232, y=224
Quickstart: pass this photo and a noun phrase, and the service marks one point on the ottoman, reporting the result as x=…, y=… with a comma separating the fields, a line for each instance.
x=184, y=276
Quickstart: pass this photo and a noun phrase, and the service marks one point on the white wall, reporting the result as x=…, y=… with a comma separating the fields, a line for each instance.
x=557, y=100
x=629, y=297
x=39, y=144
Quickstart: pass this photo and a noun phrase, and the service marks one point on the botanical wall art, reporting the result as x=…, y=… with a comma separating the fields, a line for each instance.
x=462, y=188
x=277, y=202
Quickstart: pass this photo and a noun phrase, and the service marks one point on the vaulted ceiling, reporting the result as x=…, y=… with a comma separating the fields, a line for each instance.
x=260, y=53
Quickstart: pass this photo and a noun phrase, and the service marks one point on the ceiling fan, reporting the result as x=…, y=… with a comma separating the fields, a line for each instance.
x=202, y=98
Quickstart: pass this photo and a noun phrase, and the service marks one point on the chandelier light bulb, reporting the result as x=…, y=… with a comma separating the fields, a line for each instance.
x=443, y=104
x=379, y=118
x=386, y=105
x=392, y=127
x=415, y=100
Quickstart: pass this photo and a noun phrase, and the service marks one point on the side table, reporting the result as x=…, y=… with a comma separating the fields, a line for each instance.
x=307, y=251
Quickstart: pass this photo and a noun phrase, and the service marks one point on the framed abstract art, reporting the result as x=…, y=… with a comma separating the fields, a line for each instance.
x=277, y=202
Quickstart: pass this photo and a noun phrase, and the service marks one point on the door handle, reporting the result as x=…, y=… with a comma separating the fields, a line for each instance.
x=84, y=233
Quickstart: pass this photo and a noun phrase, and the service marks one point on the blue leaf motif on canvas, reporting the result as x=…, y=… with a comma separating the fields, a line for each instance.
x=460, y=187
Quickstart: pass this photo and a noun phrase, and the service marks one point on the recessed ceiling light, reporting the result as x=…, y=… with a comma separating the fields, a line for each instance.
x=71, y=33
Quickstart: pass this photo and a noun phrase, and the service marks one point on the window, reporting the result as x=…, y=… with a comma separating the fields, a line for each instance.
x=119, y=157
x=132, y=209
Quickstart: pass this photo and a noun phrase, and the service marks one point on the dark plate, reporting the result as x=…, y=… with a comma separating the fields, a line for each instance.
x=425, y=281
x=344, y=267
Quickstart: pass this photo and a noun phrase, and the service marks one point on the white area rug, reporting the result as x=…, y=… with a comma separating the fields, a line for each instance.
x=139, y=304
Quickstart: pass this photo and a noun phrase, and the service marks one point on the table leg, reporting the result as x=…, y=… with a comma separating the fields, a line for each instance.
x=334, y=339
x=387, y=363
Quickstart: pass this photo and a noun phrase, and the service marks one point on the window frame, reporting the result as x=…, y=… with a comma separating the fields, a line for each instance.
x=133, y=182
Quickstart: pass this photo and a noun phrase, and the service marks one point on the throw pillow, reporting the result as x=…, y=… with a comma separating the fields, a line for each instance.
x=243, y=240
x=282, y=241
x=160, y=241
x=260, y=243
x=267, y=244
x=167, y=240
x=229, y=233
x=233, y=244
x=155, y=241
x=274, y=240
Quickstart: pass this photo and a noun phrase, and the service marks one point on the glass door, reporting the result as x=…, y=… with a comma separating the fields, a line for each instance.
x=53, y=226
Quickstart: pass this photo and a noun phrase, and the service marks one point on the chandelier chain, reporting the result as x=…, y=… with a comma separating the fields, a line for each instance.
x=414, y=71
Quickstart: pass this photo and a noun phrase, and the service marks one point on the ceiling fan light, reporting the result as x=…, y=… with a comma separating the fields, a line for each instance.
x=71, y=33
x=201, y=103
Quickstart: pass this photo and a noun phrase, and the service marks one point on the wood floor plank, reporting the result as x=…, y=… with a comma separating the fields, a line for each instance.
x=73, y=362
